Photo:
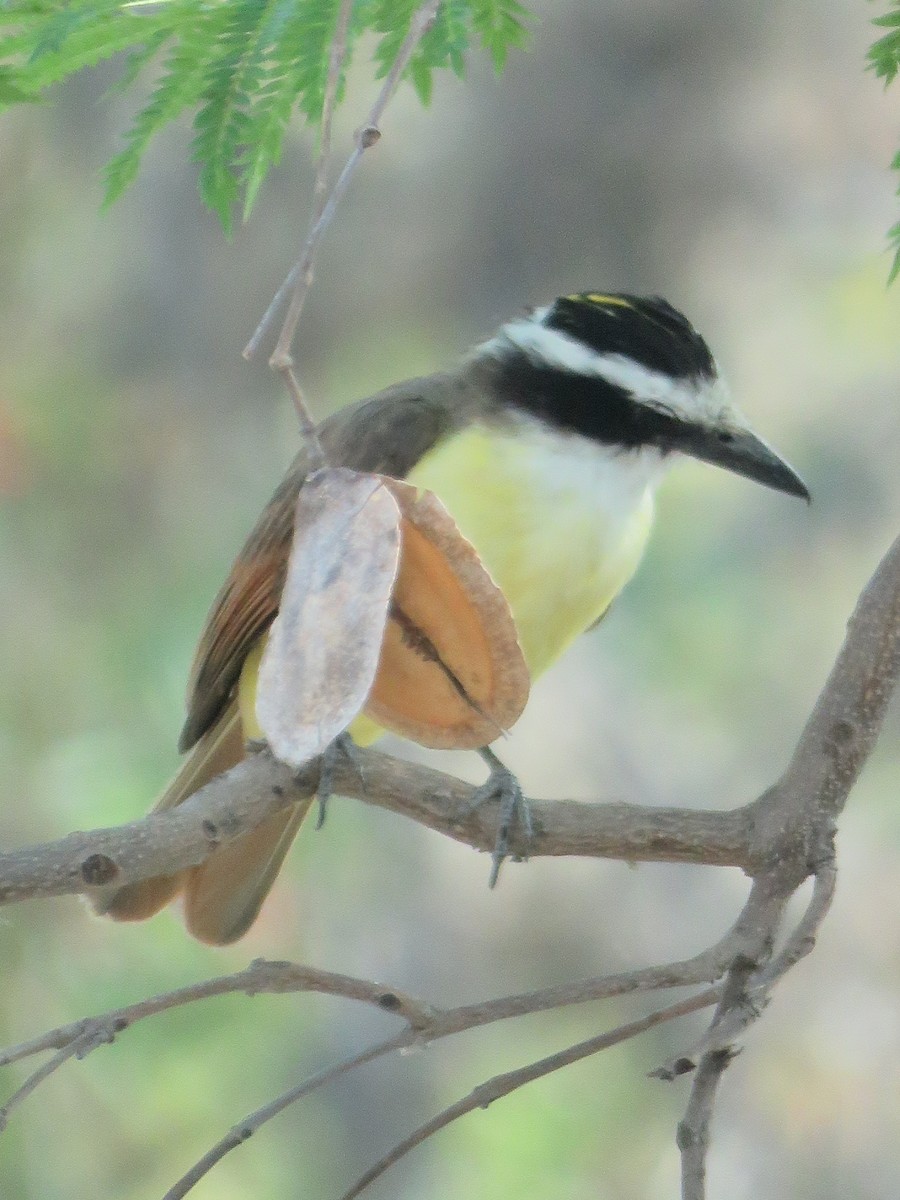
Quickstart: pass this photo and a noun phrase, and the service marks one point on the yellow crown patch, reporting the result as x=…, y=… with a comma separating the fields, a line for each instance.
x=601, y=300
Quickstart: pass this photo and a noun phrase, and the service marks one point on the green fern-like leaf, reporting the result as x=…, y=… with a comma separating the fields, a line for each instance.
x=179, y=87
x=243, y=68
x=294, y=75
x=10, y=91
x=222, y=123
x=501, y=27
x=55, y=44
x=884, y=60
x=894, y=239
x=884, y=54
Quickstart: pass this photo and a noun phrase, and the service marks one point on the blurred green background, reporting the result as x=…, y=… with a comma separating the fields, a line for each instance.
x=732, y=157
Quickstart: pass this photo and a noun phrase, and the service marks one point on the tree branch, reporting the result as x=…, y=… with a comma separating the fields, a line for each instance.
x=239, y=800
x=796, y=816
x=790, y=826
x=245, y=1129
x=299, y=278
x=779, y=839
x=502, y=1085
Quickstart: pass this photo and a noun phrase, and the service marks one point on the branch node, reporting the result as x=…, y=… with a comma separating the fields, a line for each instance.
x=99, y=869
x=210, y=831
x=367, y=136
x=671, y=1071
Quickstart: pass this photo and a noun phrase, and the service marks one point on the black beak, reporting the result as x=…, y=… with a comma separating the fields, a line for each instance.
x=741, y=451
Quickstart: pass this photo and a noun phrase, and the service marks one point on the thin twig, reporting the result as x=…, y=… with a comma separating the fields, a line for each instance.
x=239, y=1133
x=308, y=430
x=425, y=1023
x=502, y=1085
x=732, y=1020
x=693, y=1129
x=335, y=66
x=75, y=1049
x=299, y=277
x=260, y=977
x=803, y=939
x=742, y=952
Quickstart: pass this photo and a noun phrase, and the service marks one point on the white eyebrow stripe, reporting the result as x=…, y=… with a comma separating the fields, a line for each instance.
x=706, y=400
x=558, y=349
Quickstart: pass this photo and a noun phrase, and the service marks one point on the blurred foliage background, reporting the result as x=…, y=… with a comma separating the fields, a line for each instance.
x=732, y=157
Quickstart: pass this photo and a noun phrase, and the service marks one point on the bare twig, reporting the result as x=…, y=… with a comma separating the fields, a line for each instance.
x=76, y=1048
x=425, y=1023
x=335, y=65
x=317, y=456
x=260, y=977
x=693, y=1129
x=424, y=1020
x=803, y=938
x=744, y=996
x=502, y=1085
x=245, y=1129
x=780, y=839
x=299, y=278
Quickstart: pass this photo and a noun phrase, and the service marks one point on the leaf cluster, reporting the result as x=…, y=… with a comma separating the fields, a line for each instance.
x=884, y=60
x=242, y=67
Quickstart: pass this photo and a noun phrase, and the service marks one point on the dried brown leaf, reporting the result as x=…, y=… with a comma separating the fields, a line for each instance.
x=323, y=649
x=451, y=673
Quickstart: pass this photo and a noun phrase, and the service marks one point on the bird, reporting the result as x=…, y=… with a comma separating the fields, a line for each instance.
x=546, y=443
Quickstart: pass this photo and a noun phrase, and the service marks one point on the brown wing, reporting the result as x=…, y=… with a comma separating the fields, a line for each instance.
x=387, y=434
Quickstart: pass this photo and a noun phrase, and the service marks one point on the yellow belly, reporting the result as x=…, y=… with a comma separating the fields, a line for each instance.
x=550, y=521
x=560, y=526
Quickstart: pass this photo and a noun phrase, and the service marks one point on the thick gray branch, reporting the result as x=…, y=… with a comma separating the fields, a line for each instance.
x=796, y=817
x=237, y=801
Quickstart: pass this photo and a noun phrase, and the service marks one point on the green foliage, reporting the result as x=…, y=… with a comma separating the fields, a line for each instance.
x=242, y=67
x=884, y=60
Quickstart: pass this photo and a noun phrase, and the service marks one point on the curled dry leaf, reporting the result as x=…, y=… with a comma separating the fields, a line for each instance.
x=451, y=673
x=428, y=648
x=324, y=645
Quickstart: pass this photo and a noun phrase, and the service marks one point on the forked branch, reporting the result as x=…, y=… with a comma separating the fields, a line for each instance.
x=780, y=840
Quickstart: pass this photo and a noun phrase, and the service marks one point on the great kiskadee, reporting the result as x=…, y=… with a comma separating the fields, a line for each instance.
x=545, y=444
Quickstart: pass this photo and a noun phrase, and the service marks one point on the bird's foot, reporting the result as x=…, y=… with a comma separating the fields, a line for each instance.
x=504, y=787
x=343, y=746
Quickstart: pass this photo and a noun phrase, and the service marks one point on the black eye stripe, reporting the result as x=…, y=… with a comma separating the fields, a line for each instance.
x=647, y=330
x=589, y=405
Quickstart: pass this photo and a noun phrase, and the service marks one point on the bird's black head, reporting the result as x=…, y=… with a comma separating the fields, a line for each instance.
x=647, y=330
x=631, y=373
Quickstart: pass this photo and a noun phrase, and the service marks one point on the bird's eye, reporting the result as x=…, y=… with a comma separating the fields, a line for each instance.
x=725, y=437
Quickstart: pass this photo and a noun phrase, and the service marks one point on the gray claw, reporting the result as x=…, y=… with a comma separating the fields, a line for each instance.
x=343, y=746
x=504, y=787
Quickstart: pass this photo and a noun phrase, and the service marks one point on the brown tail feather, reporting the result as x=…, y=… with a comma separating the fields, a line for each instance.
x=217, y=751
x=223, y=896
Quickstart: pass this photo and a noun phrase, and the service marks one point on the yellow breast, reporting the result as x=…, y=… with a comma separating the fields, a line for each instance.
x=559, y=522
